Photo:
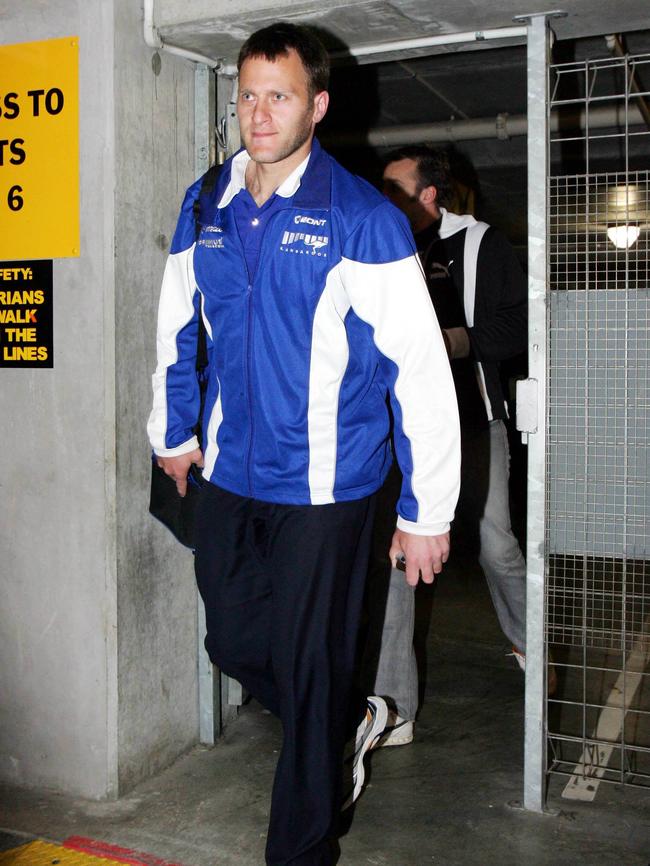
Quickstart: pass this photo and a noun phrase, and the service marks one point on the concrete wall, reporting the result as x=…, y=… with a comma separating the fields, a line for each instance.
x=97, y=622
x=158, y=701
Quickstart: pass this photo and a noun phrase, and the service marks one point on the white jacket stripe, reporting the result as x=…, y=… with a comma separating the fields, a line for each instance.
x=329, y=360
x=393, y=299
x=212, y=449
x=473, y=238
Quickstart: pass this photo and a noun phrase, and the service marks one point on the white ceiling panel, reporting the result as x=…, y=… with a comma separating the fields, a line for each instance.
x=216, y=28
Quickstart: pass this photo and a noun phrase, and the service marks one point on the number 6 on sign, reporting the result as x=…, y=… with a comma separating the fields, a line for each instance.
x=15, y=199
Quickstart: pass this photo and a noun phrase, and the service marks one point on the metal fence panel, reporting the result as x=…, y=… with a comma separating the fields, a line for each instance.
x=597, y=559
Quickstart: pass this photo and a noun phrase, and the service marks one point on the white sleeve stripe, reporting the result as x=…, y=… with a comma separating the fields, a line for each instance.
x=176, y=306
x=176, y=309
x=394, y=300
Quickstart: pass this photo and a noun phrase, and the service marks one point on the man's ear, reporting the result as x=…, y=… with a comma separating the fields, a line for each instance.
x=321, y=101
x=428, y=195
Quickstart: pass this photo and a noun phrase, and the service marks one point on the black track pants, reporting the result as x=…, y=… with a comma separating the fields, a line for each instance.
x=283, y=588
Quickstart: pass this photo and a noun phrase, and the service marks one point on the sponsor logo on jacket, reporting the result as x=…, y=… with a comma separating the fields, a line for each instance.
x=437, y=271
x=211, y=242
x=304, y=244
x=310, y=221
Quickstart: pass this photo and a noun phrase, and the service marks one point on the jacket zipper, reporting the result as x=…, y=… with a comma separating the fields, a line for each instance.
x=249, y=363
x=249, y=353
x=249, y=330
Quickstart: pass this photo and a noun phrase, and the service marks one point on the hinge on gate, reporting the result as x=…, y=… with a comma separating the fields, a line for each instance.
x=526, y=407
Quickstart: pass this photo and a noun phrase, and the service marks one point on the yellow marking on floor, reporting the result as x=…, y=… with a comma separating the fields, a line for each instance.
x=46, y=854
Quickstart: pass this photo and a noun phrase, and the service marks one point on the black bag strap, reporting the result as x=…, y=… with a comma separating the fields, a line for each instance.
x=202, y=200
x=200, y=207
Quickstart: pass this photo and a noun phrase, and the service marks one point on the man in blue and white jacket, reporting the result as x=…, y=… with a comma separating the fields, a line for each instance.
x=316, y=312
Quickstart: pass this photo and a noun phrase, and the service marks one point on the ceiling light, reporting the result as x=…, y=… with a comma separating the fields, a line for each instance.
x=623, y=237
x=624, y=196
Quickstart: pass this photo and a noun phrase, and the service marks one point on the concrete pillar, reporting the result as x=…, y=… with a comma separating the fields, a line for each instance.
x=98, y=621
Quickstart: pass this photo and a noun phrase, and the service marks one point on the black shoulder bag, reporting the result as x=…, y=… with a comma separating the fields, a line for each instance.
x=177, y=512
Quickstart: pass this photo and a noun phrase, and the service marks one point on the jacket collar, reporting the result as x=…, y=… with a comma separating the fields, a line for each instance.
x=309, y=182
x=452, y=223
x=315, y=189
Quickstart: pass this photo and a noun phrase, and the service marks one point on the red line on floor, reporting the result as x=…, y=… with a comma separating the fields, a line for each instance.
x=114, y=852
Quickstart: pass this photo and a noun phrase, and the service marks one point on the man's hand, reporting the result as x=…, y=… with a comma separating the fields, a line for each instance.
x=424, y=554
x=179, y=467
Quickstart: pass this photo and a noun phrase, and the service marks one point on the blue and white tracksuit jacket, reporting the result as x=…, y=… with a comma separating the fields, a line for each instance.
x=304, y=352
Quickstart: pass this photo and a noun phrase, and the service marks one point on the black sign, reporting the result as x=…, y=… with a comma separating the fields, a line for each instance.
x=26, y=314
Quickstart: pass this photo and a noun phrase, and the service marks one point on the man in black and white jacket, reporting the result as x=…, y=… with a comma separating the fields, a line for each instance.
x=479, y=293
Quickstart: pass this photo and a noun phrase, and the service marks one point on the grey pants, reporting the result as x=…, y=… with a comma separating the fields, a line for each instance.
x=483, y=521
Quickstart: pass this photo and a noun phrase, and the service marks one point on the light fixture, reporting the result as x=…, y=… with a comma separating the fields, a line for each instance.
x=623, y=237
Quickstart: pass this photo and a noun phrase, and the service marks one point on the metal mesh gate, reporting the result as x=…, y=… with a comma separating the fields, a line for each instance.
x=598, y=426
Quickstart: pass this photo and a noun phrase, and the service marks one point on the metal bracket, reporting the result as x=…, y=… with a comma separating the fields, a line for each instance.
x=227, y=127
x=527, y=413
x=502, y=126
x=552, y=13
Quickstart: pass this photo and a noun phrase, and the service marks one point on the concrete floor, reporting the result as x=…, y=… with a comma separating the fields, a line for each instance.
x=449, y=799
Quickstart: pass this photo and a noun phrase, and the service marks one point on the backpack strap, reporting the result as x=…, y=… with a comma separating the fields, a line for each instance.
x=202, y=199
x=200, y=207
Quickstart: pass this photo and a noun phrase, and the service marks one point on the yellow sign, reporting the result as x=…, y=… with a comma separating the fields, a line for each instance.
x=39, y=149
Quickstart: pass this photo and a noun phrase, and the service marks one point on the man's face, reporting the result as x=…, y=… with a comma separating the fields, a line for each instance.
x=276, y=114
x=400, y=184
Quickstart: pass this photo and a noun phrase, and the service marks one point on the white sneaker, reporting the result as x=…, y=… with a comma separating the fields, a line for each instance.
x=520, y=657
x=399, y=732
x=368, y=733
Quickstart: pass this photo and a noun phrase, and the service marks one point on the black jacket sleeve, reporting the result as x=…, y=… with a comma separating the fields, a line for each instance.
x=500, y=328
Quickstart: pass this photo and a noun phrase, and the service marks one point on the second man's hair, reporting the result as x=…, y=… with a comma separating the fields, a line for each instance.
x=432, y=168
x=278, y=39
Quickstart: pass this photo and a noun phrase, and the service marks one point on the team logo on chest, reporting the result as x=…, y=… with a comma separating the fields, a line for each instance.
x=305, y=243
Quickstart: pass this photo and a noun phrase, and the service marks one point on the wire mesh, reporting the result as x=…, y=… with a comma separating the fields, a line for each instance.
x=598, y=402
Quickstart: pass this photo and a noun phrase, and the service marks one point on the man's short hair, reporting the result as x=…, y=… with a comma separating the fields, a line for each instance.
x=278, y=39
x=432, y=168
